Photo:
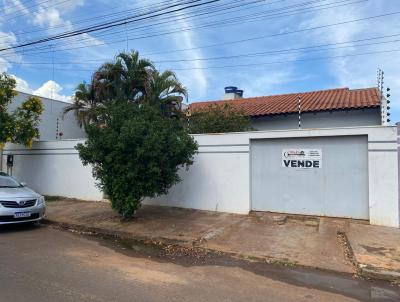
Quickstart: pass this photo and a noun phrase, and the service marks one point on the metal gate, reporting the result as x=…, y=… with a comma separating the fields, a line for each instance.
x=326, y=176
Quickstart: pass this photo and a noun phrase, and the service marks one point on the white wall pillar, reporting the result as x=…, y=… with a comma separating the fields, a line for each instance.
x=384, y=177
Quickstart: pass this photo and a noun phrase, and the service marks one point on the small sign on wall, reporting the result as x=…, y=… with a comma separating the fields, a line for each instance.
x=302, y=158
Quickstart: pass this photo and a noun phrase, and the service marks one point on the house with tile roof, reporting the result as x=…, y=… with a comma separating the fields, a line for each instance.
x=341, y=107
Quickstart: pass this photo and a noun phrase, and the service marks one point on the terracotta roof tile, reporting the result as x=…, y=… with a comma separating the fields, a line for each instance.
x=323, y=100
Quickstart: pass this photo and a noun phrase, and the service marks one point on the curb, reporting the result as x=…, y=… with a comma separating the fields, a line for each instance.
x=366, y=271
x=195, y=244
x=115, y=234
x=361, y=270
x=378, y=274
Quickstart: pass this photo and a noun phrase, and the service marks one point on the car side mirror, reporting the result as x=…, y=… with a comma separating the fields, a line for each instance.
x=23, y=184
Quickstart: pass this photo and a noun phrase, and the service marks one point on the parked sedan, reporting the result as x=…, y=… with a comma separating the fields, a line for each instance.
x=18, y=203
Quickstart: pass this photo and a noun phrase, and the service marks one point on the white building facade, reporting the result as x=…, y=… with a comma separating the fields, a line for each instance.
x=53, y=124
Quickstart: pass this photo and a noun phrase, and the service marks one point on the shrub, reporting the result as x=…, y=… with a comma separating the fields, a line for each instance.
x=218, y=119
x=136, y=153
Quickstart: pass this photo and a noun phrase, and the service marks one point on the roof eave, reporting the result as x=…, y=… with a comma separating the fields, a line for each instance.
x=315, y=111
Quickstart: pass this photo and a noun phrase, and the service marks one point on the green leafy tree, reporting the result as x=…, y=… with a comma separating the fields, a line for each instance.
x=136, y=153
x=21, y=125
x=218, y=119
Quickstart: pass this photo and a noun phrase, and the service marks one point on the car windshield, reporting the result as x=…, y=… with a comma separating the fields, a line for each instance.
x=8, y=182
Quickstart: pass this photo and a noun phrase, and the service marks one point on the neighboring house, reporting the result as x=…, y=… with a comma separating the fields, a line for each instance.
x=342, y=107
x=53, y=124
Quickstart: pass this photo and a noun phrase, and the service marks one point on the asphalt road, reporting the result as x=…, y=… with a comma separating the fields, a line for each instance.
x=46, y=264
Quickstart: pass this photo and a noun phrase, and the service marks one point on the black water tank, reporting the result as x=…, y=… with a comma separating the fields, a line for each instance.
x=239, y=92
x=230, y=89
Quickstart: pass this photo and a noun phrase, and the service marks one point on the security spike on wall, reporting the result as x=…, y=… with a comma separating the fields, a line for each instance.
x=299, y=106
x=378, y=76
x=57, y=128
x=384, y=100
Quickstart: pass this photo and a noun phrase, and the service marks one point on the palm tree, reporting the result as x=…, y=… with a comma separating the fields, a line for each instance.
x=130, y=79
x=85, y=104
x=166, y=92
x=126, y=78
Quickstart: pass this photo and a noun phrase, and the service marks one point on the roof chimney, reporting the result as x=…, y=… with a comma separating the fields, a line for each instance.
x=232, y=93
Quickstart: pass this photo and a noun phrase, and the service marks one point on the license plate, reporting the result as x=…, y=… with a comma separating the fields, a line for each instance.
x=22, y=214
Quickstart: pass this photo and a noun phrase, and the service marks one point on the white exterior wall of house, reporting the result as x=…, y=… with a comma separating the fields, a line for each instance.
x=53, y=110
x=220, y=179
x=331, y=119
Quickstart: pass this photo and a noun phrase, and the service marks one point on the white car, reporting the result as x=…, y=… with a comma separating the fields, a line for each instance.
x=18, y=203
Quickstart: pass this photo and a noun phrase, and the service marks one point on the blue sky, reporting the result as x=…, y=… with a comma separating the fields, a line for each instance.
x=263, y=47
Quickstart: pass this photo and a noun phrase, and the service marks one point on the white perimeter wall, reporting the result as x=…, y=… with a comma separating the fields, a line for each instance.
x=53, y=168
x=219, y=180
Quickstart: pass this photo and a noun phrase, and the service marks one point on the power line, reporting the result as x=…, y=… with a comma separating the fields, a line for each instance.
x=254, y=17
x=152, y=7
x=312, y=48
x=291, y=61
x=228, y=21
x=8, y=7
x=177, y=31
x=106, y=25
x=276, y=34
x=256, y=54
x=263, y=63
x=236, y=41
x=174, y=20
x=98, y=17
x=26, y=9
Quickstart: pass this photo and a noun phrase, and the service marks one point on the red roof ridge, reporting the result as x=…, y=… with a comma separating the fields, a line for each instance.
x=318, y=100
x=279, y=95
x=366, y=88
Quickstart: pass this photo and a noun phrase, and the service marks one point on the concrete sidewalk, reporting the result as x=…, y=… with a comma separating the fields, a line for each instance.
x=376, y=251
x=291, y=240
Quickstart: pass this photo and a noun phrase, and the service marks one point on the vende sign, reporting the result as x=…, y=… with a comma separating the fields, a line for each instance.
x=302, y=158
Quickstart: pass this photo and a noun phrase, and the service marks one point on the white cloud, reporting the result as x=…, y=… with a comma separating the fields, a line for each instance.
x=47, y=15
x=7, y=40
x=22, y=85
x=53, y=19
x=49, y=89
x=52, y=90
x=14, y=6
x=50, y=17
